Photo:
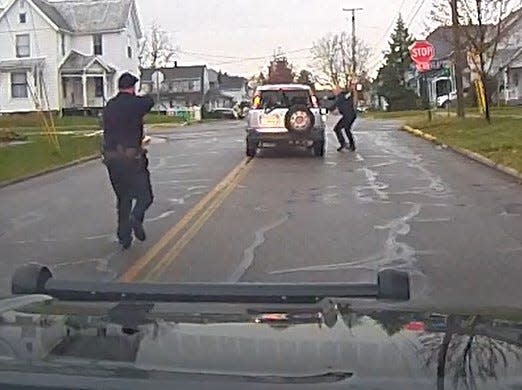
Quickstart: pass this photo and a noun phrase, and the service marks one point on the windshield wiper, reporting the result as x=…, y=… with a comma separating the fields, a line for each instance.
x=38, y=279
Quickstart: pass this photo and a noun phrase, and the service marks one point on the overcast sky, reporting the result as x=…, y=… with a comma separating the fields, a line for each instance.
x=227, y=34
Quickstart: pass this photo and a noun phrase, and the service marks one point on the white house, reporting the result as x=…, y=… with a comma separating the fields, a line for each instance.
x=234, y=86
x=507, y=64
x=179, y=86
x=65, y=55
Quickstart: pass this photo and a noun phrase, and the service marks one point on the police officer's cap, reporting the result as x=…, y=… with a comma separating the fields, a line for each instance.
x=127, y=80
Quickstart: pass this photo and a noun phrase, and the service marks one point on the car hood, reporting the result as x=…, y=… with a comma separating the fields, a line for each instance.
x=325, y=344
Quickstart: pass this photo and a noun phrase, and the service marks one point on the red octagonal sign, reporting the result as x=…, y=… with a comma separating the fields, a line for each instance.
x=422, y=53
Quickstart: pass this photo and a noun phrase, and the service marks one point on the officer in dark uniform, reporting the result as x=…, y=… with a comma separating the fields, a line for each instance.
x=344, y=104
x=125, y=158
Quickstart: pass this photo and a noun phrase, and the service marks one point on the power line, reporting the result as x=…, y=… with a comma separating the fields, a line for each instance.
x=239, y=60
x=205, y=55
x=388, y=29
x=412, y=18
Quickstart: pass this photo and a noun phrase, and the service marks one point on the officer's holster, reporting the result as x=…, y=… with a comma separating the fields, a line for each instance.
x=131, y=156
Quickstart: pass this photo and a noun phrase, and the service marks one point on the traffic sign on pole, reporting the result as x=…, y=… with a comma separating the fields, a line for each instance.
x=422, y=53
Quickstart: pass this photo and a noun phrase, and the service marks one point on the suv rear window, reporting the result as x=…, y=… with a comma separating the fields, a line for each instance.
x=285, y=98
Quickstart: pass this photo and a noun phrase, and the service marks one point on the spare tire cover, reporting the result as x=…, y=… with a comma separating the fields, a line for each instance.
x=299, y=118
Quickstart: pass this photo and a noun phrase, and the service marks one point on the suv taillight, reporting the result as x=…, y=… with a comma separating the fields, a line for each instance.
x=256, y=102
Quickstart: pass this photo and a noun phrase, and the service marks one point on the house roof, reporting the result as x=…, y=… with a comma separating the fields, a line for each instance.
x=512, y=18
x=232, y=82
x=442, y=40
x=87, y=16
x=504, y=57
x=52, y=13
x=214, y=93
x=175, y=73
x=212, y=76
x=77, y=62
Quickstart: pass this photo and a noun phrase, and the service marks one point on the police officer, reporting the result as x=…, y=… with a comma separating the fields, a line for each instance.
x=344, y=103
x=125, y=158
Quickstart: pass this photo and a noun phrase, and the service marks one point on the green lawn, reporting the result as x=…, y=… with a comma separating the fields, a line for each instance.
x=34, y=121
x=394, y=114
x=155, y=118
x=27, y=123
x=500, y=141
x=38, y=155
x=472, y=111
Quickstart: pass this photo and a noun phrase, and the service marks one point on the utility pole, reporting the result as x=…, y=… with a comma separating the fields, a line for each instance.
x=457, y=50
x=354, y=53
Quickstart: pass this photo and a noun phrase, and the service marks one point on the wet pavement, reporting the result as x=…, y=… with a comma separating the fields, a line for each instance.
x=398, y=201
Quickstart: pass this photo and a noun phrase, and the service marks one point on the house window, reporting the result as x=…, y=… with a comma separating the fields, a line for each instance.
x=98, y=86
x=62, y=35
x=23, y=48
x=64, y=88
x=19, y=85
x=97, y=44
x=22, y=18
x=191, y=85
x=129, y=51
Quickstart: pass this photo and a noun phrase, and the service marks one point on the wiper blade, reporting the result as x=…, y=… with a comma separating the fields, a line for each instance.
x=38, y=279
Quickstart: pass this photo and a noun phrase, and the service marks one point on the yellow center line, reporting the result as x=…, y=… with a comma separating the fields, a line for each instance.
x=162, y=265
x=132, y=273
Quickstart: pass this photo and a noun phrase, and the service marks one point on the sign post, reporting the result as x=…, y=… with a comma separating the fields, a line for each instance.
x=422, y=53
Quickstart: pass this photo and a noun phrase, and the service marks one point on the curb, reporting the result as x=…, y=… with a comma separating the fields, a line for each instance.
x=50, y=170
x=466, y=153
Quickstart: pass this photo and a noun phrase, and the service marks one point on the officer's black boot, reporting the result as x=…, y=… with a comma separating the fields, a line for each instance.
x=125, y=242
x=137, y=228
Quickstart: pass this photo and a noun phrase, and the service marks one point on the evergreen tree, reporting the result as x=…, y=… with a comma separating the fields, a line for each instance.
x=391, y=82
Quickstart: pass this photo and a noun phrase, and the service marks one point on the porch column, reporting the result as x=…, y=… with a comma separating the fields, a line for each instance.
x=506, y=85
x=105, y=88
x=84, y=89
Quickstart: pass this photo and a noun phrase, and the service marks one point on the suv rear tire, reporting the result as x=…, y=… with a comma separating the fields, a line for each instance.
x=319, y=148
x=304, y=111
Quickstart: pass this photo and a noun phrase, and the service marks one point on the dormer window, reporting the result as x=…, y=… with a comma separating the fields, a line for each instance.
x=97, y=45
x=22, y=18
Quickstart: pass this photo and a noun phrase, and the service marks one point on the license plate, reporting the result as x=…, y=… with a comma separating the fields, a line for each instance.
x=269, y=120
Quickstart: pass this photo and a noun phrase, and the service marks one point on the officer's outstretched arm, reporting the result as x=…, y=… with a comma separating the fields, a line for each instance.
x=145, y=104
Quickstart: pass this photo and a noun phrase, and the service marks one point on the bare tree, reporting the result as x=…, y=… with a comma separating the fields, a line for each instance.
x=482, y=28
x=332, y=56
x=256, y=80
x=157, y=49
x=467, y=351
x=305, y=77
x=488, y=17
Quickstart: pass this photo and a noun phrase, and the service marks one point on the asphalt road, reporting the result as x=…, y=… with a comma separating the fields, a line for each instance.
x=398, y=201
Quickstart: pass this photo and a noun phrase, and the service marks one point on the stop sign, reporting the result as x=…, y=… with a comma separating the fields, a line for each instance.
x=422, y=52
